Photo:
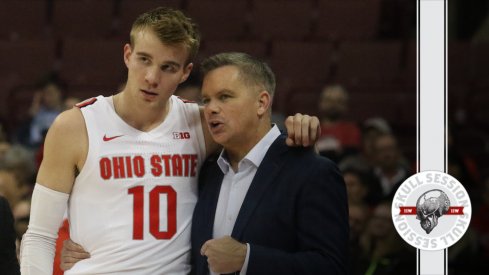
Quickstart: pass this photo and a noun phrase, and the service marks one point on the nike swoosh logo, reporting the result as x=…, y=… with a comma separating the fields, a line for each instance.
x=106, y=138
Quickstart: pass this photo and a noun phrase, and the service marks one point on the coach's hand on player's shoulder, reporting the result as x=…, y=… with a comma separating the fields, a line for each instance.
x=224, y=255
x=71, y=254
x=302, y=130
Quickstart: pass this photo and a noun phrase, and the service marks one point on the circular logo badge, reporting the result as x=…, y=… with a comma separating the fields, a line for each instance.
x=431, y=210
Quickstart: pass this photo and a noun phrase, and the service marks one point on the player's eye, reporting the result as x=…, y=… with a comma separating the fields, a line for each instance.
x=144, y=59
x=168, y=68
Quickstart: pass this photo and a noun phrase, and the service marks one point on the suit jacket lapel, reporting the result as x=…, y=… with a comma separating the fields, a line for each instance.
x=266, y=173
x=214, y=181
x=213, y=197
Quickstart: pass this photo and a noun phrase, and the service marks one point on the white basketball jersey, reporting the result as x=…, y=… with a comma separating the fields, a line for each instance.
x=132, y=203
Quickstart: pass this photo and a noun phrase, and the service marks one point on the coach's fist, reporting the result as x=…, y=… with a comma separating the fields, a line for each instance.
x=224, y=255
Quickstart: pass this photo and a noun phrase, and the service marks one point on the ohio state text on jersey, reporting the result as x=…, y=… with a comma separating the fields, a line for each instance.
x=131, y=205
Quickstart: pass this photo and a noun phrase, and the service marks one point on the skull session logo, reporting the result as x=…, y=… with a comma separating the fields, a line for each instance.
x=431, y=210
x=428, y=210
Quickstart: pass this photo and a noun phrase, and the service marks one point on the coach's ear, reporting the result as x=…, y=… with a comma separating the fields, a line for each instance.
x=264, y=102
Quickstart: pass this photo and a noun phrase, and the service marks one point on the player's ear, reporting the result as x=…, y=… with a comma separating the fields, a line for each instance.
x=186, y=72
x=264, y=102
x=127, y=53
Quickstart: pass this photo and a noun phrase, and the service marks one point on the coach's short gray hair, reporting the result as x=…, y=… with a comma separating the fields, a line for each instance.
x=252, y=71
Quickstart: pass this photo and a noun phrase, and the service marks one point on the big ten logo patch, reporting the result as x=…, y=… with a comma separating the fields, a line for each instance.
x=431, y=210
x=181, y=135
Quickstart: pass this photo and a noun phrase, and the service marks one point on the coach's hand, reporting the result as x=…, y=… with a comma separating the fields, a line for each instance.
x=71, y=254
x=302, y=130
x=224, y=255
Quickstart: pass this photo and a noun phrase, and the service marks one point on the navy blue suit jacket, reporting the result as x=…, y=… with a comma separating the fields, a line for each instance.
x=8, y=258
x=294, y=216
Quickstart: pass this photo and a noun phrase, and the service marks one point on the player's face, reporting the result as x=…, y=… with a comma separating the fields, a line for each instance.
x=231, y=108
x=154, y=69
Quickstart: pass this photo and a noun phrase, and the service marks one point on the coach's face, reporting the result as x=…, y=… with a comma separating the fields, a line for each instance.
x=232, y=109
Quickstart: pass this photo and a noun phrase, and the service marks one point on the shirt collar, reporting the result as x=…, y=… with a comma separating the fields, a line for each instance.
x=255, y=155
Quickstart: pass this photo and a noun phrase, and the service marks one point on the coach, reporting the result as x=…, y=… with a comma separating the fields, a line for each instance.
x=264, y=207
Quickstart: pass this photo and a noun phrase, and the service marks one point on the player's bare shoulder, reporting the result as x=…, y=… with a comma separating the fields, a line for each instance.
x=65, y=150
x=69, y=134
x=69, y=125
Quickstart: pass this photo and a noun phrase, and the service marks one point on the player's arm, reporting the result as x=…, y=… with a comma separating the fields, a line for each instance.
x=64, y=151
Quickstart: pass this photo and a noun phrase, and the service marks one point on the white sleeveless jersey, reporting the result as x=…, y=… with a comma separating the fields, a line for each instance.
x=132, y=203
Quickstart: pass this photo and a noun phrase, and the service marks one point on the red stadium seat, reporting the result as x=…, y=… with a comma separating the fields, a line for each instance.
x=409, y=64
x=479, y=58
x=129, y=10
x=471, y=141
x=348, y=19
x=458, y=95
x=27, y=60
x=395, y=103
x=93, y=62
x=22, y=19
x=390, y=106
x=6, y=85
x=83, y=18
x=219, y=19
x=19, y=101
x=478, y=102
x=291, y=20
x=369, y=63
x=302, y=100
x=458, y=64
x=254, y=48
x=302, y=63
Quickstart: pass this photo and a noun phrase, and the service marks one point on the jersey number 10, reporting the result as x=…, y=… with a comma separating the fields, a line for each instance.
x=154, y=212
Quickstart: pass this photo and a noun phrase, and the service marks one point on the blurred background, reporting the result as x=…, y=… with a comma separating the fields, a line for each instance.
x=352, y=63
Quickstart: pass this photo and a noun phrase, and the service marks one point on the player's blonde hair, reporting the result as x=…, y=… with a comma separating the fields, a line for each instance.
x=171, y=26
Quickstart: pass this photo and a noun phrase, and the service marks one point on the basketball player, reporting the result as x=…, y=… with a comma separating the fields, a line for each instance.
x=129, y=163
